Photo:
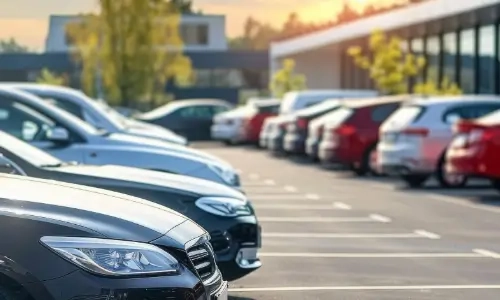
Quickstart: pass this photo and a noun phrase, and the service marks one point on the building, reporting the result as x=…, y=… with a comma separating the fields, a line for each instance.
x=459, y=38
x=220, y=72
x=199, y=33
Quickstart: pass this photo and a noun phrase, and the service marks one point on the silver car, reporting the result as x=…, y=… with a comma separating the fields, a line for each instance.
x=70, y=139
x=97, y=112
x=413, y=140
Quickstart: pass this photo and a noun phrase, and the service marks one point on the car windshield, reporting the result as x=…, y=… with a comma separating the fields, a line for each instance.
x=77, y=122
x=112, y=115
x=405, y=115
x=27, y=152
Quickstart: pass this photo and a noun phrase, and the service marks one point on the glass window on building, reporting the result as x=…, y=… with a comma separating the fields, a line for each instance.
x=203, y=78
x=433, y=52
x=228, y=78
x=467, y=53
x=417, y=48
x=486, y=58
x=449, y=53
x=194, y=34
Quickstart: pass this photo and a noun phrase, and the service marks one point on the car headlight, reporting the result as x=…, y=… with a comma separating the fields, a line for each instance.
x=227, y=175
x=224, y=207
x=112, y=257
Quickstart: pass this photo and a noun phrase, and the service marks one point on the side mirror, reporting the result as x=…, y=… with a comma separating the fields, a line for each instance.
x=9, y=167
x=58, y=134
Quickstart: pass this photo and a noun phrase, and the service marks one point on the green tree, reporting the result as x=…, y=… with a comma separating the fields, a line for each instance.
x=390, y=68
x=133, y=48
x=12, y=46
x=48, y=77
x=286, y=80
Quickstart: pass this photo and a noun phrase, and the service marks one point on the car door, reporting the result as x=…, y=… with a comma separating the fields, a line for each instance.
x=30, y=125
x=192, y=122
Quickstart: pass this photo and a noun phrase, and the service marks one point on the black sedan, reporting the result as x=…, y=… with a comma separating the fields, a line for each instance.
x=191, y=118
x=224, y=212
x=63, y=241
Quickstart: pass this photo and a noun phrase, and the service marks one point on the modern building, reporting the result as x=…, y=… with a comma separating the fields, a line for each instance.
x=459, y=38
x=220, y=72
x=199, y=32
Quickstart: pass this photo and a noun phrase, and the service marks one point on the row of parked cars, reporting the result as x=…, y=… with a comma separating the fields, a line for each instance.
x=95, y=205
x=410, y=137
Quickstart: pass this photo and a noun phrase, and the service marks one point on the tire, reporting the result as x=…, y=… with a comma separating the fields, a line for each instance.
x=442, y=177
x=366, y=167
x=6, y=294
x=415, y=181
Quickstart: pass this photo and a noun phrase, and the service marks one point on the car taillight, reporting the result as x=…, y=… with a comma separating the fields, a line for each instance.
x=416, y=131
x=345, y=130
x=302, y=123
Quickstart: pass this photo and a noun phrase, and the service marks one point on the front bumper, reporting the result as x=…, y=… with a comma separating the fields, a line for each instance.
x=236, y=242
x=294, y=143
x=80, y=285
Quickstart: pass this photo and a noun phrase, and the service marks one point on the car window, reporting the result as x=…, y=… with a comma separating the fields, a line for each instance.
x=23, y=122
x=339, y=116
x=468, y=112
x=381, y=113
x=66, y=105
x=219, y=109
x=269, y=109
x=195, y=112
x=405, y=115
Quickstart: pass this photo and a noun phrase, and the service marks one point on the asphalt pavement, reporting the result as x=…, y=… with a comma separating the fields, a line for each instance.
x=329, y=235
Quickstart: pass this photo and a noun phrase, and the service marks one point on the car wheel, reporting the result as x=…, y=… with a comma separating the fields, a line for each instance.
x=368, y=163
x=449, y=180
x=415, y=181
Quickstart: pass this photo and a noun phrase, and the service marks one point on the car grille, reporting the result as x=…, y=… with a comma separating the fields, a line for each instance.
x=202, y=257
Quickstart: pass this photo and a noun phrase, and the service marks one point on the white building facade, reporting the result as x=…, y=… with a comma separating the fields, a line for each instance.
x=199, y=32
x=459, y=38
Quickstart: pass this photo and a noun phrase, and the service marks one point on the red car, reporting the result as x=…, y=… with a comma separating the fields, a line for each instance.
x=253, y=122
x=350, y=134
x=474, y=150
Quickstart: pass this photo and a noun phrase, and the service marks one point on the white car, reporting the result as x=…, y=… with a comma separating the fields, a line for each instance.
x=97, y=112
x=229, y=127
x=413, y=140
x=63, y=135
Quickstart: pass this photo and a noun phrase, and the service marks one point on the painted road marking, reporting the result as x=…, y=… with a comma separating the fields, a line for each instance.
x=463, y=202
x=341, y=205
x=269, y=182
x=290, y=188
x=380, y=218
x=487, y=253
x=298, y=206
x=369, y=219
x=413, y=235
x=375, y=255
x=259, y=195
x=254, y=176
x=312, y=196
x=366, y=288
x=427, y=234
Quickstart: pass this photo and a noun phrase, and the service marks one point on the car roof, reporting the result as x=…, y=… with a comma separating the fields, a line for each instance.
x=40, y=87
x=198, y=101
x=437, y=100
x=363, y=102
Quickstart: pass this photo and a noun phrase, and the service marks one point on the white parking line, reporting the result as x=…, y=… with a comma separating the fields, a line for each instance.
x=313, y=196
x=427, y=234
x=290, y=188
x=341, y=205
x=374, y=255
x=270, y=196
x=366, y=288
x=254, y=176
x=369, y=219
x=269, y=182
x=298, y=206
x=487, y=253
x=380, y=218
x=412, y=235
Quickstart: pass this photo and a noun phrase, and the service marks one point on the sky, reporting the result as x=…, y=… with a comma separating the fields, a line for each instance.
x=27, y=20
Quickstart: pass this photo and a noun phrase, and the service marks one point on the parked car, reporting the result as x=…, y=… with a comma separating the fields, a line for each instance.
x=350, y=136
x=100, y=243
x=226, y=214
x=241, y=124
x=274, y=128
x=70, y=139
x=191, y=118
x=474, y=149
x=96, y=112
x=126, y=111
x=414, y=139
x=315, y=135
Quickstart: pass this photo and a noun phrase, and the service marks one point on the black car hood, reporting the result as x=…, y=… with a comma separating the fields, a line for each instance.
x=109, y=214
x=147, y=178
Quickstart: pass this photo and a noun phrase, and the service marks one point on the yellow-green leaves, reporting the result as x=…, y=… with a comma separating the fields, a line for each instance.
x=132, y=47
x=47, y=77
x=391, y=68
x=286, y=80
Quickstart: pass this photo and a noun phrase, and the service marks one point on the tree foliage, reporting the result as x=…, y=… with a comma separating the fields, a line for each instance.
x=48, y=77
x=12, y=46
x=391, y=68
x=286, y=80
x=133, y=48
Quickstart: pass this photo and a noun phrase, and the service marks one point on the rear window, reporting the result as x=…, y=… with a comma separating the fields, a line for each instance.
x=406, y=115
x=268, y=109
x=339, y=116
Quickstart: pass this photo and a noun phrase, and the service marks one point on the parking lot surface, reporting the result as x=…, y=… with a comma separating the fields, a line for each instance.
x=329, y=235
